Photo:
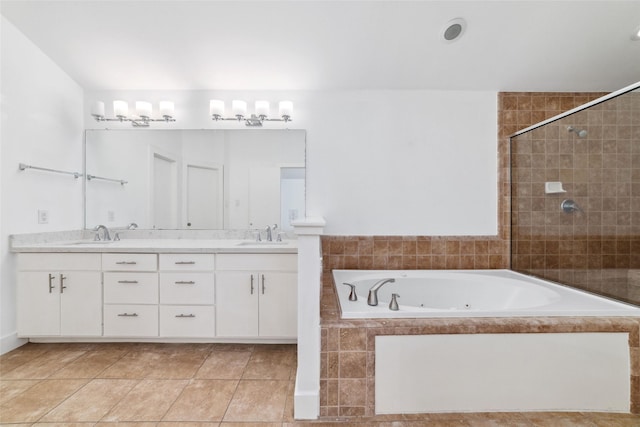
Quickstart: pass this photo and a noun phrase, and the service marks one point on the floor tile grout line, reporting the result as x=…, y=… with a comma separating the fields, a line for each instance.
x=235, y=390
x=95, y=377
x=114, y=362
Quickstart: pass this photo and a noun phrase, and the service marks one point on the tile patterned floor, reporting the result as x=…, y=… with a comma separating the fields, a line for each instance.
x=214, y=385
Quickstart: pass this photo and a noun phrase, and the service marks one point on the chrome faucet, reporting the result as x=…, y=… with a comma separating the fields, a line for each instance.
x=105, y=233
x=270, y=231
x=372, y=299
x=130, y=226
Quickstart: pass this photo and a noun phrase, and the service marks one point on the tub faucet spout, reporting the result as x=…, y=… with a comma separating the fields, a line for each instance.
x=373, y=292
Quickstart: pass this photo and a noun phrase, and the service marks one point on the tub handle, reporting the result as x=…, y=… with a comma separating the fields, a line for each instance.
x=393, y=305
x=352, y=293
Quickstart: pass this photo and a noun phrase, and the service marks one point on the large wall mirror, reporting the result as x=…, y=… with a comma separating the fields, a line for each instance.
x=194, y=179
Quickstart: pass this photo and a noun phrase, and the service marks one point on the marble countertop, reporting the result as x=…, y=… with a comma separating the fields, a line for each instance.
x=159, y=246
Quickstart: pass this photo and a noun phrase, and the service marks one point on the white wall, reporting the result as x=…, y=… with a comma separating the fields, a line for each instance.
x=378, y=162
x=42, y=125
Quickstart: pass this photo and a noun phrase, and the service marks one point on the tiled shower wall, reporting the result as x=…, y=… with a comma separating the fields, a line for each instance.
x=597, y=248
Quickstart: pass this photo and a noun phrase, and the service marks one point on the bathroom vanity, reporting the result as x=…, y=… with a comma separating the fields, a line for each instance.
x=172, y=290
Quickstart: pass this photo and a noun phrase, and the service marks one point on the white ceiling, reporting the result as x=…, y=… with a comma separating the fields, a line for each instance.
x=565, y=45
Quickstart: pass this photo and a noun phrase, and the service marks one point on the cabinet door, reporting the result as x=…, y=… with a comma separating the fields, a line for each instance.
x=80, y=303
x=38, y=304
x=236, y=304
x=278, y=304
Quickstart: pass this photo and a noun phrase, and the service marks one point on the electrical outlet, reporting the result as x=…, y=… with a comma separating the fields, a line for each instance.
x=43, y=216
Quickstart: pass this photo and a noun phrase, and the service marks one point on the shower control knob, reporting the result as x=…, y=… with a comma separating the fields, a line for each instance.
x=569, y=206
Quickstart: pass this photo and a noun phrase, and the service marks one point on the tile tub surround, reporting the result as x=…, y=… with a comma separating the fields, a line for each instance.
x=413, y=252
x=347, y=380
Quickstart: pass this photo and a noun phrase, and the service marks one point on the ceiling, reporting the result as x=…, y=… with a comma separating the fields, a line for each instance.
x=562, y=45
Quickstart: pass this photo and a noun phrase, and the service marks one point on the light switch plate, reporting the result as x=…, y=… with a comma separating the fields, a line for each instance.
x=43, y=216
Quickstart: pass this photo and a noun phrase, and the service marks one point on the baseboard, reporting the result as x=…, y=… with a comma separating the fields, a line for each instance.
x=306, y=404
x=10, y=342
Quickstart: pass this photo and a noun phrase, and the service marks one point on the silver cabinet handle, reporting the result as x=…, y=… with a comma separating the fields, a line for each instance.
x=51, y=286
x=185, y=315
x=62, y=286
x=262, y=284
x=185, y=262
x=252, y=284
x=128, y=315
x=185, y=282
x=127, y=281
x=126, y=263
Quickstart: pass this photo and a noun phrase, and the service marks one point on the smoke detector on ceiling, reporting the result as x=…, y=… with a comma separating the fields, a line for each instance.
x=453, y=30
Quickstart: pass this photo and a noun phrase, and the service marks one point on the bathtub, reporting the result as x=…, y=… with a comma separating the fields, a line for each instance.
x=468, y=293
x=419, y=371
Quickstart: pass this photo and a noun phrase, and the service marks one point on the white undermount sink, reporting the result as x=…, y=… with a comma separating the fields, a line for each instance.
x=262, y=243
x=90, y=242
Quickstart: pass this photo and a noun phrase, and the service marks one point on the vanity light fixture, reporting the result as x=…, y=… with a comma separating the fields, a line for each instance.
x=143, y=112
x=260, y=114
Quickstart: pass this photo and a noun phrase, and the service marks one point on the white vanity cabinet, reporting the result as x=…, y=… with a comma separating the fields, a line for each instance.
x=130, y=295
x=59, y=295
x=187, y=295
x=256, y=295
x=229, y=293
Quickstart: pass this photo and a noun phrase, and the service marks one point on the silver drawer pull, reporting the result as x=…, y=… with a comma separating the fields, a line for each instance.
x=185, y=315
x=185, y=262
x=185, y=282
x=51, y=278
x=127, y=281
x=126, y=262
x=128, y=315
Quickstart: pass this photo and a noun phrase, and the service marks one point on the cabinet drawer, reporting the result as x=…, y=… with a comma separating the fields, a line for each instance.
x=129, y=262
x=260, y=262
x=130, y=288
x=187, y=321
x=59, y=262
x=187, y=262
x=128, y=320
x=187, y=288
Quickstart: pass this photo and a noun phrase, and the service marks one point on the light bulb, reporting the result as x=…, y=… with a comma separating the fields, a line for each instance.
x=239, y=108
x=262, y=108
x=167, y=109
x=216, y=108
x=120, y=109
x=286, y=109
x=143, y=109
x=97, y=110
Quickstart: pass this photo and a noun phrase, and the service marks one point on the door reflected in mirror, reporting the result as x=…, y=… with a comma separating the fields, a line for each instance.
x=195, y=179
